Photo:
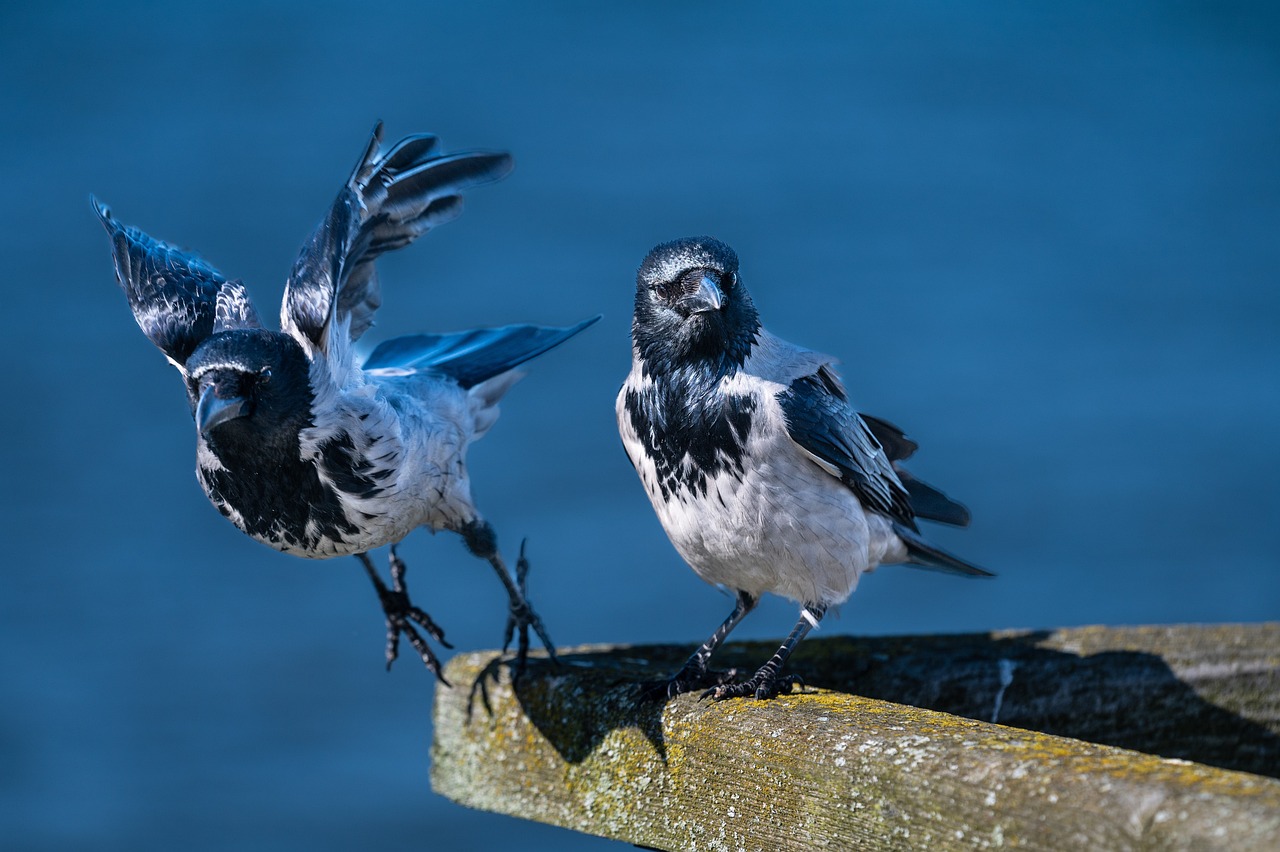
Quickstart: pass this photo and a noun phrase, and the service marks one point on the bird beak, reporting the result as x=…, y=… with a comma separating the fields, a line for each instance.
x=706, y=298
x=213, y=410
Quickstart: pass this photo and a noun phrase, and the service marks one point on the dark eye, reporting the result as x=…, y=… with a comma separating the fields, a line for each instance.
x=667, y=290
x=729, y=280
x=264, y=374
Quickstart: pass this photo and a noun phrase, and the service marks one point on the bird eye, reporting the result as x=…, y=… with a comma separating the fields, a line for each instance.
x=730, y=280
x=264, y=374
x=665, y=290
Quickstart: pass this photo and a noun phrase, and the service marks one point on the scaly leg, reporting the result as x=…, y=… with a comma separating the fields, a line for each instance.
x=694, y=672
x=482, y=542
x=768, y=682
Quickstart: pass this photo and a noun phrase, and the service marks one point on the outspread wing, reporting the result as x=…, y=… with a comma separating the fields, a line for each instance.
x=469, y=357
x=233, y=308
x=391, y=199
x=823, y=423
x=176, y=297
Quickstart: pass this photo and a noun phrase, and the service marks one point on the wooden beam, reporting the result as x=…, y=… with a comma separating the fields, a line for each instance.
x=572, y=747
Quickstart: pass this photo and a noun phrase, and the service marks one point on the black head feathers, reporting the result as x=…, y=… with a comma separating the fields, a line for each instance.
x=691, y=311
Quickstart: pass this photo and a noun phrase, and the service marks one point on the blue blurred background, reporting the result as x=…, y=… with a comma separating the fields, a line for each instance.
x=1044, y=238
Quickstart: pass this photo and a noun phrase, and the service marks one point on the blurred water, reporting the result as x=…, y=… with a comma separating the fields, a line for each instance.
x=1042, y=238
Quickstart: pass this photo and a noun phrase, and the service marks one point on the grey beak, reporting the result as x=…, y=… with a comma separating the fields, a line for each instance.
x=707, y=298
x=213, y=410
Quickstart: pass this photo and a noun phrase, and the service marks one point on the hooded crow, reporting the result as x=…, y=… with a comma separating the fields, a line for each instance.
x=297, y=443
x=763, y=475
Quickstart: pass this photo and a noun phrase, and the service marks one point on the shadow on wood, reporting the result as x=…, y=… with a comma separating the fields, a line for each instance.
x=571, y=746
x=1198, y=693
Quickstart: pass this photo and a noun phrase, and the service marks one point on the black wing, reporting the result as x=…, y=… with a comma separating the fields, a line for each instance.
x=821, y=420
x=233, y=308
x=470, y=357
x=897, y=446
x=175, y=296
x=390, y=200
x=926, y=501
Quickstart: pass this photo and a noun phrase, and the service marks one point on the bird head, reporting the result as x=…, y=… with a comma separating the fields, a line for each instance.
x=249, y=383
x=690, y=306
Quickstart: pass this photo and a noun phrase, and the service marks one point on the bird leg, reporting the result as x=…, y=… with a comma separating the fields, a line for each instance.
x=483, y=542
x=401, y=615
x=694, y=672
x=767, y=682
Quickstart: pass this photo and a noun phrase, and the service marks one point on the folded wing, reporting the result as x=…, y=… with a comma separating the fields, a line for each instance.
x=823, y=423
x=926, y=501
x=862, y=452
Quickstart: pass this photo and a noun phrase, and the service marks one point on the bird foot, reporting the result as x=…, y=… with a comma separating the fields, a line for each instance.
x=521, y=617
x=764, y=684
x=402, y=616
x=688, y=679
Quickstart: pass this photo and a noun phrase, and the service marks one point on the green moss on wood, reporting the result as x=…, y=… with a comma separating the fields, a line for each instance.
x=571, y=747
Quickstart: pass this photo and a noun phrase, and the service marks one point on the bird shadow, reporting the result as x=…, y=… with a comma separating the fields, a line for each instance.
x=1129, y=699
x=575, y=702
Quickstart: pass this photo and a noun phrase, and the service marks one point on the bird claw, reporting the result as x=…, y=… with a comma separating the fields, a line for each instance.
x=764, y=684
x=398, y=624
x=402, y=615
x=687, y=679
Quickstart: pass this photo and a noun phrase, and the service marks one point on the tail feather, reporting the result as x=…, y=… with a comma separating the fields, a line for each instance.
x=926, y=501
x=485, y=397
x=897, y=446
x=924, y=555
x=931, y=504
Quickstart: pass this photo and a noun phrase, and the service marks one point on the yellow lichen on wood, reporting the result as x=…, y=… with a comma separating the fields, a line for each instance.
x=572, y=747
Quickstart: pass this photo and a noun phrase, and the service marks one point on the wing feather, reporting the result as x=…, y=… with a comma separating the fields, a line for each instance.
x=233, y=308
x=469, y=357
x=926, y=501
x=822, y=422
x=390, y=200
x=177, y=299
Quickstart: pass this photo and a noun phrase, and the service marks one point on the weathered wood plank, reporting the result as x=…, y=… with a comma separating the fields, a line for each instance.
x=571, y=747
x=1209, y=693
